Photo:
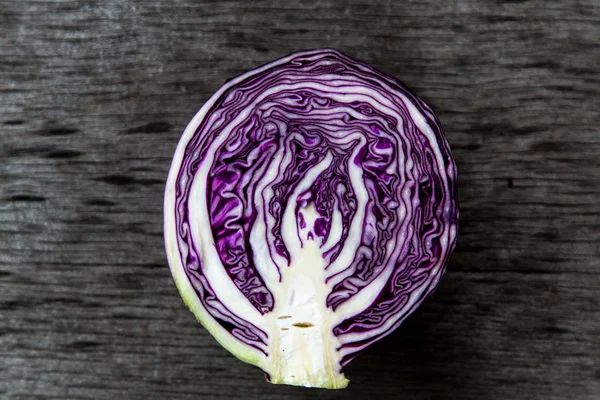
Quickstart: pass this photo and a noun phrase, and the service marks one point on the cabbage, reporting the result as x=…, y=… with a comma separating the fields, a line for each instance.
x=310, y=208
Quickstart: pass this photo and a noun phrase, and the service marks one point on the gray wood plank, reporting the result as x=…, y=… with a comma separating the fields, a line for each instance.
x=95, y=94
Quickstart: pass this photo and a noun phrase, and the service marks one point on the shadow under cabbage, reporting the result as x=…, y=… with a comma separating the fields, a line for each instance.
x=427, y=355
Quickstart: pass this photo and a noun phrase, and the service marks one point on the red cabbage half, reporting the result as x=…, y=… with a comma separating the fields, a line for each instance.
x=310, y=208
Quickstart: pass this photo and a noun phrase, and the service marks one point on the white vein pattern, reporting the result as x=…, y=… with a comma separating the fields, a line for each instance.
x=315, y=208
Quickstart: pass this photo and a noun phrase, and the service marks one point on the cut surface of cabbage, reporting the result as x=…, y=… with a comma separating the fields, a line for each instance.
x=310, y=208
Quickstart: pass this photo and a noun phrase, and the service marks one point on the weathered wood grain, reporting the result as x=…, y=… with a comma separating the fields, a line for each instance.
x=95, y=94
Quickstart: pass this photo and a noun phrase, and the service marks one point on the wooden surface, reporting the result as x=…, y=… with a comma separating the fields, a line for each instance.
x=95, y=94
